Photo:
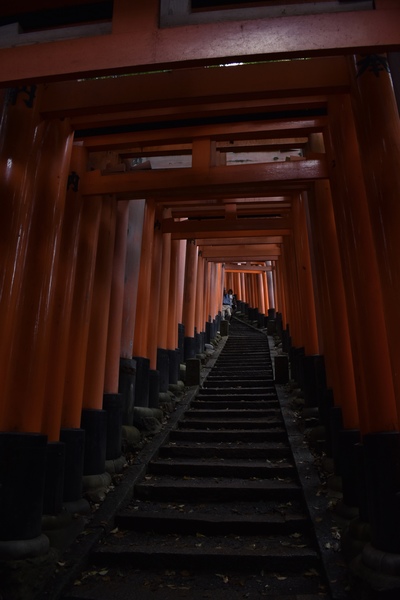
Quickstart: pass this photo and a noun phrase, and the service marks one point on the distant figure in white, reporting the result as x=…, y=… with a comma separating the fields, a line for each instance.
x=227, y=302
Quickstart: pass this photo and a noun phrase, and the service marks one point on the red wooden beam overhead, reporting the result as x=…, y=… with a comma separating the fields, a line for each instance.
x=141, y=184
x=244, y=130
x=151, y=92
x=241, y=252
x=198, y=229
x=146, y=47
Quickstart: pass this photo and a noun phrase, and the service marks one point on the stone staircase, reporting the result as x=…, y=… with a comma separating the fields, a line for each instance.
x=220, y=511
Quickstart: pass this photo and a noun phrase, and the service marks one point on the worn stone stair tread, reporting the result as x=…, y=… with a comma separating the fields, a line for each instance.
x=240, y=393
x=220, y=468
x=173, y=584
x=215, y=435
x=174, y=521
x=252, y=386
x=194, y=555
x=216, y=488
x=225, y=450
x=215, y=413
x=230, y=424
x=220, y=405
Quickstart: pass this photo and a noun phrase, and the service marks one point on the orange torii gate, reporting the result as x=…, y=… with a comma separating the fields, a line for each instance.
x=65, y=111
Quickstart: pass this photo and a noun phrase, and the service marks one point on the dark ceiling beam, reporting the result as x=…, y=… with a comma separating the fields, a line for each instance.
x=146, y=47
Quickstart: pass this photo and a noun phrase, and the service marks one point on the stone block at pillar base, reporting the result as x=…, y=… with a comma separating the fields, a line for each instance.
x=281, y=364
x=24, y=549
x=193, y=371
x=374, y=575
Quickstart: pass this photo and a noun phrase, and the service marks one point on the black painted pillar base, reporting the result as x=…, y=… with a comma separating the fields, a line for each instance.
x=74, y=440
x=324, y=415
x=142, y=382
x=382, y=471
x=224, y=328
x=208, y=332
x=197, y=343
x=174, y=363
x=94, y=423
x=112, y=404
x=181, y=337
x=314, y=379
x=22, y=485
x=54, y=481
x=281, y=364
x=193, y=371
x=126, y=387
x=154, y=388
x=335, y=427
x=163, y=368
x=348, y=439
x=189, y=348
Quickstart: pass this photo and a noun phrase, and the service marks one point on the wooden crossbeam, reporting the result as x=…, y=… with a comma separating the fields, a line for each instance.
x=146, y=47
x=242, y=251
x=142, y=184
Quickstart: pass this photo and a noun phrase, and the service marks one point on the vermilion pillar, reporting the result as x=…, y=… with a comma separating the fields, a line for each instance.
x=143, y=294
x=307, y=316
x=378, y=132
x=335, y=339
x=172, y=342
x=332, y=308
x=290, y=286
x=373, y=374
x=80, y=315
x=61, y=326
x=164, y=308
x=111, y=375
x=199, y=320
x=29, y=347
x=99, y=315
x=154, y=297
x=189, y=298
x=132, y=268
x=18, y=121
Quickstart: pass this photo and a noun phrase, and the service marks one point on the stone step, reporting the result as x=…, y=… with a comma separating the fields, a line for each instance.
x=243, y=468
x=215, y=489
x=230, y=423
x=246, y=385
x=141, y=550
x=210, y=404
x=233, y=449
x=213, y=519
x=232, y=435
x=234, y=413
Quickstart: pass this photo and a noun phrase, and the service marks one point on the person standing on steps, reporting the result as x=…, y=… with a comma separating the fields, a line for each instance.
x=227, y=305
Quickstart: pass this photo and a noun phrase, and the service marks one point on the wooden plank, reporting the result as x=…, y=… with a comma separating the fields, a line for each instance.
x=225, y=131
x=170, y=183
x=148, y=48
